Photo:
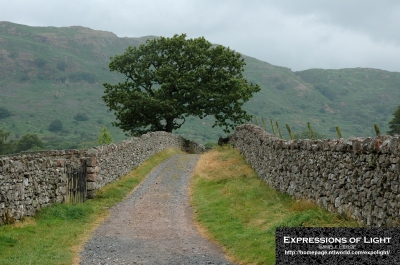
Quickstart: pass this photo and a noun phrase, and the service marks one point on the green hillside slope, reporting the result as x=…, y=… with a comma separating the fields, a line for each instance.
x=49, y=73
x=358, y=98
x=56, y=73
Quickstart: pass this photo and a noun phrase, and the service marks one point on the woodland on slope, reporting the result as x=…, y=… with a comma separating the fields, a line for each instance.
x=51, y=84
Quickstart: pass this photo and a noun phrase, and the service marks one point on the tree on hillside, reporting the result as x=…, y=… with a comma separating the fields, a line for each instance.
x=104, y=136
x=56, y=126
x=326, y=91
x=40, y=62
x=81, y=117
x=4, y=113
x=29, y=142
x=169, y=79
x=394, y=124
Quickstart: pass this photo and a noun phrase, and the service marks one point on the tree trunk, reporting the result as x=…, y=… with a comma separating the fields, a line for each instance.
x=170, y=125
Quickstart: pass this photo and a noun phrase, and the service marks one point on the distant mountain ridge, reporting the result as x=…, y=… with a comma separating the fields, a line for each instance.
x=50, y=73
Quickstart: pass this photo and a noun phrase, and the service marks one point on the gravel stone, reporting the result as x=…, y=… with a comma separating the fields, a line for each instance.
x=154, y=225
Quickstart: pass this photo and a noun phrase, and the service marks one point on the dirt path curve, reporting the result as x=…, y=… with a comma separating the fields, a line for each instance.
x=154, y=225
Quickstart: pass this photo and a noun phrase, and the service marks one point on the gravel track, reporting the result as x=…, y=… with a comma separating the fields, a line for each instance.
x=154, y=225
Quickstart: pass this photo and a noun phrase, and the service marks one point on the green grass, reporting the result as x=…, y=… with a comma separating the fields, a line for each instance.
x=55, y=234
x=241, y=212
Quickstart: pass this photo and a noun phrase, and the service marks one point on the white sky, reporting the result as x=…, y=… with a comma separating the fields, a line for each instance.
x=299, y=34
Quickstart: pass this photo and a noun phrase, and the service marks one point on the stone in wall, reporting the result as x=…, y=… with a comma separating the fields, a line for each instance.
x=32, y=180
x=358, y=177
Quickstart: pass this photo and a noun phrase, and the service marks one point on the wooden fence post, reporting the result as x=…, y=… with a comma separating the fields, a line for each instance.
x=265, y=126
x=377, y=130
x=279, y=129
x=338, y=132
x=272, y=125
x=310, y=129
x=290, y=131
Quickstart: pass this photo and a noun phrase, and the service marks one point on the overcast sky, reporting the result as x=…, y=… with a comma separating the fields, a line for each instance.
x=299, y=34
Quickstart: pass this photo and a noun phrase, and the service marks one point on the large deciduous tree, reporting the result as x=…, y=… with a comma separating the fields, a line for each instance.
x=394, y=124
x=169, y=79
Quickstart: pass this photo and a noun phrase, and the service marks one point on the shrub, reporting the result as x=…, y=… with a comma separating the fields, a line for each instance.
x=29, y=142
x=306, y=135
x=82, y=76
x=61, y=66
x=24, y=77
x=281, y=87
x=326, y=91
x=104, y=136
x=81, y=117
x=40, y=62
x=4, y=113
x=56, y=126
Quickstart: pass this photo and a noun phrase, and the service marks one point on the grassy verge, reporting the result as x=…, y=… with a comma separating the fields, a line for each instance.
x=241, y=212
x=55, y=235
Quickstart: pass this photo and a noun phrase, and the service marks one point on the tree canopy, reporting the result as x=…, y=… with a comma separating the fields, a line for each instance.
x=81, y=117
x=4, y=113
x=394, y=124
x=56, y=126
x=29, y=142
x=169, y=79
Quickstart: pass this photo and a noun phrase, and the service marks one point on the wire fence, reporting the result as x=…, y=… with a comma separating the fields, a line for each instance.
x=276, y=130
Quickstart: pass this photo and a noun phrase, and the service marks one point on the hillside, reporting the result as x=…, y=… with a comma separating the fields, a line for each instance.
x=49, y=73
x=56, y=73
x=358, y=97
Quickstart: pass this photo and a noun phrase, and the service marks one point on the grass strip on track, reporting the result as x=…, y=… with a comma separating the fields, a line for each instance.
x=240, y=211
x=56, y=234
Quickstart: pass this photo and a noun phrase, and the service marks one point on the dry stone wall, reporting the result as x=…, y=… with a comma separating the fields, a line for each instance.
x=357, y=177
x=33, y=180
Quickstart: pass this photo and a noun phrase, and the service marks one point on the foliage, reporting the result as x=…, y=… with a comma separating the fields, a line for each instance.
x=61, y=65
x=169, y=79
x=81, y=117
x=4, y=113
x=29, y=142
x=280, y=87
x=40, y=62
x=56, y=126
x=59, y=143
x=104, y=136
x=4, y=145
x=86, y=144
x=82, y=76
x=394, y=124
x=326, y=91
x=306, y=135
x=210, y=145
